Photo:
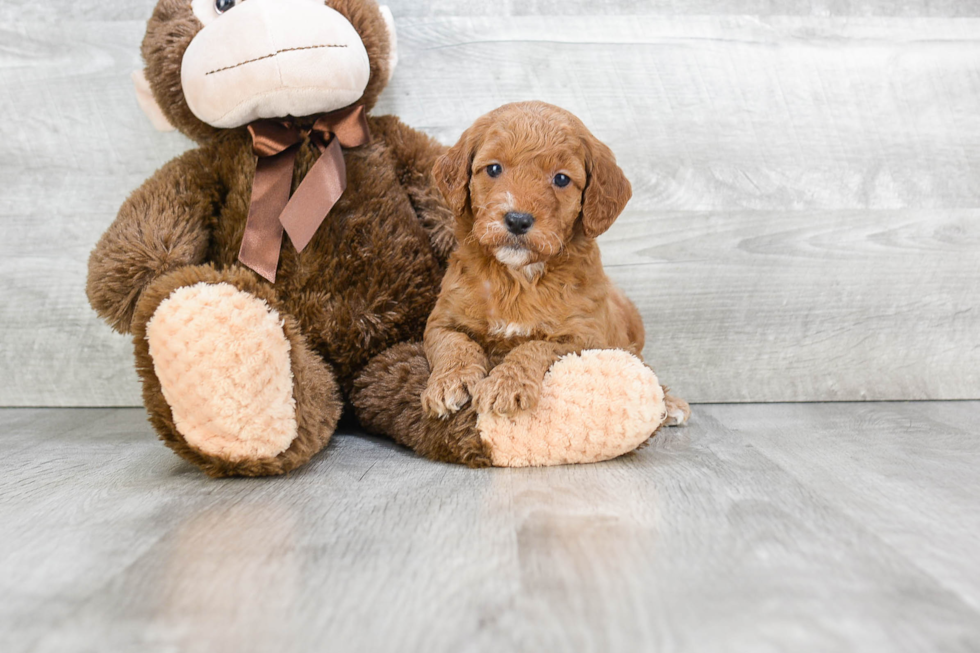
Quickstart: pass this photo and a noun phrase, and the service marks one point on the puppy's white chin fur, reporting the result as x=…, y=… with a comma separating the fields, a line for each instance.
x=513, y=257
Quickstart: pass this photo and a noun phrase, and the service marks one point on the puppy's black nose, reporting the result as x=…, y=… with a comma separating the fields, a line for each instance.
x=518, y=223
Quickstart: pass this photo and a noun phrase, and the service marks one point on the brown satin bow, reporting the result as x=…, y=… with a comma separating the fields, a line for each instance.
x=272, y=209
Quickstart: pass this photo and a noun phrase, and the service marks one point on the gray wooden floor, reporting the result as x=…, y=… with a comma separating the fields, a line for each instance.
x=781, y=527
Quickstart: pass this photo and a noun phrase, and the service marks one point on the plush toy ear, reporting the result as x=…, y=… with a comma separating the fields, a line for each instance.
x=148, y=103
x=452, y=171
x=607, y=189
x=392, y=39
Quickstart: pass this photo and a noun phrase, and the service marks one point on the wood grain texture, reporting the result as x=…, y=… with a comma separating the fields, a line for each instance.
x=816, y=305
x=22, y=10
x=936, y=522
x=804, y=225
x=831, y=527
x=906, y=8
x=73, y=145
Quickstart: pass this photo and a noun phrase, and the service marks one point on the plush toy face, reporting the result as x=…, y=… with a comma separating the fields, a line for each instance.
x=271, y=58
x=220, y=64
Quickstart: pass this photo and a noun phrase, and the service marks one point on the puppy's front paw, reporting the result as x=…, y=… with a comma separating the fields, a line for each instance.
x=447, y=392
x=507, y=389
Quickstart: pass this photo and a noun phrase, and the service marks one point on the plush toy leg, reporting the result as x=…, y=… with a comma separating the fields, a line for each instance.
x=230, y=383
x=594, y=406
x=387, y=399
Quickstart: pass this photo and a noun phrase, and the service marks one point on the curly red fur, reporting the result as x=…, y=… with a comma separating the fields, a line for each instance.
x=511, y=303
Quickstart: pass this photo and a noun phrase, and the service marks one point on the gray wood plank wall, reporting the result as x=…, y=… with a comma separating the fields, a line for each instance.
x=806, y=219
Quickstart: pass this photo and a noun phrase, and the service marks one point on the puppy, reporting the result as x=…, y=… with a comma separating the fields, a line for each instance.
x=531, y=189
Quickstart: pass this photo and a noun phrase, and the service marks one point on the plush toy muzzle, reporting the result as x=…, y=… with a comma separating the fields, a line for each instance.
x=269, y=59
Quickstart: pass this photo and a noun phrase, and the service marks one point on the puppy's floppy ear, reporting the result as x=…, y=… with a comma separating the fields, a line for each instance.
x=607, y=189
x=452, y=170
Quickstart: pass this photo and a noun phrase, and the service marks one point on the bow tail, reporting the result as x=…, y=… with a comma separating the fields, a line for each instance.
x=315, y=197
x=263, y=231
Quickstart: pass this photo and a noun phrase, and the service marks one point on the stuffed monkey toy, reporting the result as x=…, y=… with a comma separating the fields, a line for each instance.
x=285, y=268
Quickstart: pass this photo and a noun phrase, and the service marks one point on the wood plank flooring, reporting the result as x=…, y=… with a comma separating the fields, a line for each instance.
x=781, y=527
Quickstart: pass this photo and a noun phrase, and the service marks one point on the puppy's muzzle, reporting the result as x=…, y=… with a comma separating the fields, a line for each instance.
x=518, y=223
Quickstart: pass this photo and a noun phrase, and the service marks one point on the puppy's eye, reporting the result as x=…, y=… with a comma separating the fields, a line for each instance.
x=221, y=6
x=494, y=169
x=562, y=180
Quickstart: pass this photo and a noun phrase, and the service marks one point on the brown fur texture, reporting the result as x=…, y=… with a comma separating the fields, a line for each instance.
x=513, y=304
x=367, y=280
x=387, y=394
x=344, y=290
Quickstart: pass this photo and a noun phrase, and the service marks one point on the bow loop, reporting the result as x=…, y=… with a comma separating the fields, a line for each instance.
x=272, y=209
x=272, y=137
x=348, y=125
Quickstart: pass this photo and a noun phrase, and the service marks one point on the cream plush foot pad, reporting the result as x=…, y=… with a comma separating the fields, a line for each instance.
x=594, y=406
x=223, y=363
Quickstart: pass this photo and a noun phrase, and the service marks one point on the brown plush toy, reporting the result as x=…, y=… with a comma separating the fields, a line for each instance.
x=249, y=343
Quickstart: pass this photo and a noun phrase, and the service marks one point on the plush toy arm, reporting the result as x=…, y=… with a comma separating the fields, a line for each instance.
x=160, y=227
x=415, y=154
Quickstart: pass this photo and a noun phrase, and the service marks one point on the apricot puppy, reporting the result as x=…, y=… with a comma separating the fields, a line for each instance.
x=532, y=189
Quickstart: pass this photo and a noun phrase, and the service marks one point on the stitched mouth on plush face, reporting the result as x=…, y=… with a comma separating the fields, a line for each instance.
x=275, y=54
